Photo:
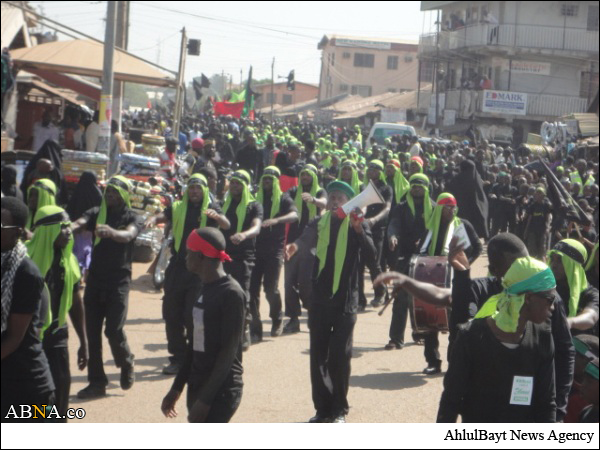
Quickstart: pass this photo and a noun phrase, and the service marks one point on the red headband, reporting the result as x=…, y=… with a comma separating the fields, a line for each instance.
x=196, y=243
x=418, y=160
x=395, y=163
x=448, y=201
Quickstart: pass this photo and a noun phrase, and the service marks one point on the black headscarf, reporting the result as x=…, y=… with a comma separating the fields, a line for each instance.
x=87, y=195
x=50, y=150
x=9, y=182
x=473, y=206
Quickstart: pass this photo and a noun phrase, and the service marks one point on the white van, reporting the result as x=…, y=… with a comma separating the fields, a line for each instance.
x=383, y=130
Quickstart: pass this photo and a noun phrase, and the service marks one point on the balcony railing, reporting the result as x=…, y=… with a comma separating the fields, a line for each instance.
x=524, y=36
x=540, y=105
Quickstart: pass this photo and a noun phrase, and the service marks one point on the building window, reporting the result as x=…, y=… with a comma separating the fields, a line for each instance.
x=364, y=60
x=363, y=91
x=346, y=55
x=287, y=99
x=588, y=87
x=343, y=88
x=408, y=58
x=392, y=90
x=392, y=63
x=569, y=10
x=271, y=98
x=592, y=18
x=427, y=71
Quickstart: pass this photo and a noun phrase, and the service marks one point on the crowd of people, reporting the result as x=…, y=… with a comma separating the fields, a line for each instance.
x=261, y=198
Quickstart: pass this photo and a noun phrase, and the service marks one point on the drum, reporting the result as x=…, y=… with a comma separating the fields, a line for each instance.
x=437, y=271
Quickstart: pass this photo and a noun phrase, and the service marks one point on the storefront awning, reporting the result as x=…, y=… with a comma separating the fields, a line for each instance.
x=85, y=58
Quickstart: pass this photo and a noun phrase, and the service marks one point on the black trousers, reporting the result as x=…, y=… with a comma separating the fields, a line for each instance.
x=298, y=283
x=331, y=338
x=374, y=271
x=241, y=271
x=15, y=398
x=432, y=349
x=58, y=359
x=400, y=310
x=106, y=301
x=224, y=406
x=267, y=268
x=182, y=290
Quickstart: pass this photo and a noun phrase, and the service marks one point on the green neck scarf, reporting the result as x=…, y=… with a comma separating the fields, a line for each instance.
x=568, y=249
x=314, y=188
x=273, y=173
x=324, y=232
x=49, y=221
x=180, y=209
x=421, y=180
x=433, y=225
x=46, y=190
x=592, y=260
x=123, y=187
x=243, y=177
x=401, y=184
x=327, y=163
x=355, y=182
x=526, y=275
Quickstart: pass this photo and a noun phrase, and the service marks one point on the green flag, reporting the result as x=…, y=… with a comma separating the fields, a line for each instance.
x=249, y=97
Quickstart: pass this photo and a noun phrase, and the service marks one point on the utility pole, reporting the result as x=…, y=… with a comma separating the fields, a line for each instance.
x=223, y=84
x=241, y=78
x=107, y=81
x=272, y=88
x=180, y=85
x=121, y=42
x=437, y=80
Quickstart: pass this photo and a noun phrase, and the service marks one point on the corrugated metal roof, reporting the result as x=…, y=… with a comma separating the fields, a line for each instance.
x=12, y=22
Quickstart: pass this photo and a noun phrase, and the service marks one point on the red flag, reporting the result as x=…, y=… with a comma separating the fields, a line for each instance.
x=149, y=105
x=229, y=109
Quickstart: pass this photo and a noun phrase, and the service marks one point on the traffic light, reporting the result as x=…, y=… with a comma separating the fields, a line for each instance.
x=194, y=47
x=291, y=83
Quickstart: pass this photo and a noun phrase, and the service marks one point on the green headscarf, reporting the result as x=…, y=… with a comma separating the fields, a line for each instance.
x=592, y=259
x=273, y=173
x=420, y=180
x=49, y=221
x=573, y=255
x=123, y=187
x=433, y=225
x=355, y=182
x=180, y=209
x=46, y=190
x=341, y=246
x=376, y=164
x=526, y=275
x=312, y=209
x=401, y=184
x=243, y=177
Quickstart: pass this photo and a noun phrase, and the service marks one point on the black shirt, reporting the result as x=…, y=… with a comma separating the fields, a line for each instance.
x=272, y=239
x=192, y=222
x=346, y=298
x=27, y=370
x=111, y=261
x=254, y=210
x=409, y=229
x=481, y=373
x=539, y=215
x=218, y=326
x=250, y=159
x=288, y=167
x=297, y=228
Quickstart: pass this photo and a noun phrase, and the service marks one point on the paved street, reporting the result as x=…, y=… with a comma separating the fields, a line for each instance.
x=385, y=386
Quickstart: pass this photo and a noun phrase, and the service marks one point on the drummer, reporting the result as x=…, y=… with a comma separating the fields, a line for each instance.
x=443, y=225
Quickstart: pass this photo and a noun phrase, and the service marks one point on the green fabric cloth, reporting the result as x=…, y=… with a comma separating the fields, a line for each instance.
x=243, y=177
x=592, y=370
x=377, y=164
x=180, y=209
x=401, y=184
x=355, y=182
x=341, y=187
x=314, y=188
x=433, y=225
x=276, y=193
x=575, y=274
x=421, y=180
x=114, y=182
x=526, y=275
x=592, y=259
x=341, y=247
x=41, y=251
x=46, y=190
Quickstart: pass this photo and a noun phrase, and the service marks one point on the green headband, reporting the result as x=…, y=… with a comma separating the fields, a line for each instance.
x=243, y=177
x=123, y=187
x=180, y=209
x=341, y=186
x=273, y=173
x=573, y=255
x=592, y=370
x=583, y=349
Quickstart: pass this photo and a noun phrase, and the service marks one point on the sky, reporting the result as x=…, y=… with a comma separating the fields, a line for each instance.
x=236, y=35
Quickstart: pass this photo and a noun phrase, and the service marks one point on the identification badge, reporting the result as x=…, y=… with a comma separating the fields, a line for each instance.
x=463, y=237
x=522, y=391
x=198, y=316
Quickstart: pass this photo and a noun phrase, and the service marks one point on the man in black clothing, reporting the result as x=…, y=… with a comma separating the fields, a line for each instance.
x=181, y=286
x=279, y=210
x=376, y=217
x=334, y=301
x=538, y=223
x=310, y=200
x=26, y=377
x=115, y=227
x=212, y=368
x=245, y=216
x=504, y=203
x=249, y=158
x=406, y=231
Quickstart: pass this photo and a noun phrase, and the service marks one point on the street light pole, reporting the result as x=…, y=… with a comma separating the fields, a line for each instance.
x=107, y=81
x=180, y=85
